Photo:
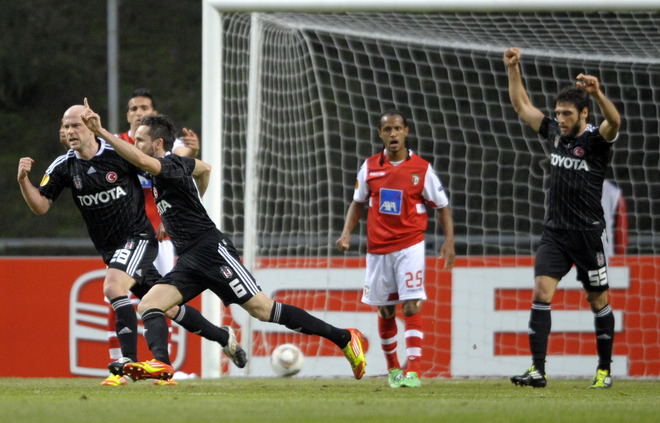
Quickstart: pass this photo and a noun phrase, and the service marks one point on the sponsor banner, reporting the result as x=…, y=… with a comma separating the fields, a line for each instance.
x=475, y=318
x=55, y=319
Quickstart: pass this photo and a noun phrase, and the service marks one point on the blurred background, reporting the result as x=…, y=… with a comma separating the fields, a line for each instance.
x=52, y=55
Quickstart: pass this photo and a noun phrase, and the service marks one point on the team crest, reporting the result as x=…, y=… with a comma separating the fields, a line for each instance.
x=600, y=259
x=415, y=179
x=226, y=272
x=77, y=182
x=154, y=191
x=111, y=177
x=556, y=141
x=129, y=245
x=45, y=180
x=578, y=152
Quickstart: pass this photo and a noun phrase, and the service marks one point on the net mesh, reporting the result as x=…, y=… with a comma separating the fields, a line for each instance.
x=325, y=79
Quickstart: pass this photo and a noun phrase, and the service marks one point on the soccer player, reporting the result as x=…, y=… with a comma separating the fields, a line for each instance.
x=207, y=258
x=106, y=190
x=398, y=184
x=573, y=230
x=140, y=104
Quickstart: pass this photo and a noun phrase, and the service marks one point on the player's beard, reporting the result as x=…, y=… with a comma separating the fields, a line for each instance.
x=572, y=133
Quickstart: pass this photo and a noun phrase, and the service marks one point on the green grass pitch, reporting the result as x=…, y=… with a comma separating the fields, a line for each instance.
x=493, y=400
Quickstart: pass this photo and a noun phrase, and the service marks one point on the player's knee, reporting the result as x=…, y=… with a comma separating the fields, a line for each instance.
x=171, y=313
x=259, y=313
x=143, y=306
x=411, y=307
x=387, y=312
x=597, y=300
x=113, y=289
x=259, y=307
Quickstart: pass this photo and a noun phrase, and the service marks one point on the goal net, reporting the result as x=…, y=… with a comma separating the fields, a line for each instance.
x=299, y=111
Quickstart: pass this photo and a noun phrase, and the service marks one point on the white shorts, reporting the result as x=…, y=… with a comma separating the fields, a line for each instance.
x=166, y=258
x=395, y=277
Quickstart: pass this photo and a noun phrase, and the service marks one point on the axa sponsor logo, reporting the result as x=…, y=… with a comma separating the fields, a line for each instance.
x=389, y=207
x=568, y=162
x=163, y=206
x=390, y=201
x=101, y=197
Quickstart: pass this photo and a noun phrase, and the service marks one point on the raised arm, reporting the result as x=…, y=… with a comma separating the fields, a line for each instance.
x=609, y=128
x=517, y=93
x=123, y=148
x=37, y=202
x=352, y=218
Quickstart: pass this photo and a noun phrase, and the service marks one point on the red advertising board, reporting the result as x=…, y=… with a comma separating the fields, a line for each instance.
x=53, y=317
x=54, y=320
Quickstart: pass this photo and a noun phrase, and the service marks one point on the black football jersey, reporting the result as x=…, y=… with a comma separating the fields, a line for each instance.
x=577, y=170
x=179, y=203
x=107, y=192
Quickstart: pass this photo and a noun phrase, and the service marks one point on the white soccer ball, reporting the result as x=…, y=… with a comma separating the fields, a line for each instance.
x=287, y=360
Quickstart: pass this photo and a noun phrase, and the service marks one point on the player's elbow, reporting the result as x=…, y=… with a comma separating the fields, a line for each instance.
x=39, y=209
x=205, y=168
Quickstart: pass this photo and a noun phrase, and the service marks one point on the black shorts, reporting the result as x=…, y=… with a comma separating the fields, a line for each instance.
x=212, y=263
x=136, y=258
x=559, y=249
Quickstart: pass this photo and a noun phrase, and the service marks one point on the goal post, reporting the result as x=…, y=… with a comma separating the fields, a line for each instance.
x=427, y=5
x=291, y=95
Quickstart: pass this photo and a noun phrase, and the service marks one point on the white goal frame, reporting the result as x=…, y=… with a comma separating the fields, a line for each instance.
x=212, y=59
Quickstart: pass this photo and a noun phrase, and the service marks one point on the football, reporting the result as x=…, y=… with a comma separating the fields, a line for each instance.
x=287, y=360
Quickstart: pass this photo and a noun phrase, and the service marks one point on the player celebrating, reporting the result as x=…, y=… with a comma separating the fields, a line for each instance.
x=207, y=258
x=106, y=190
x=573, y=229
x=140, y=104
x=397, y=183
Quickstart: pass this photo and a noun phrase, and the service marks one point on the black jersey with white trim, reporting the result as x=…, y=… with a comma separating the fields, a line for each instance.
x=179, y=203
x=107, y=192
x=577, y=170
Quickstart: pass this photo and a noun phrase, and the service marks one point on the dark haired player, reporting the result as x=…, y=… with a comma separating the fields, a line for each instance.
x=207, y=258
x=397, y=184
x=106, y=190
x=140, y=104
x=574, y=226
